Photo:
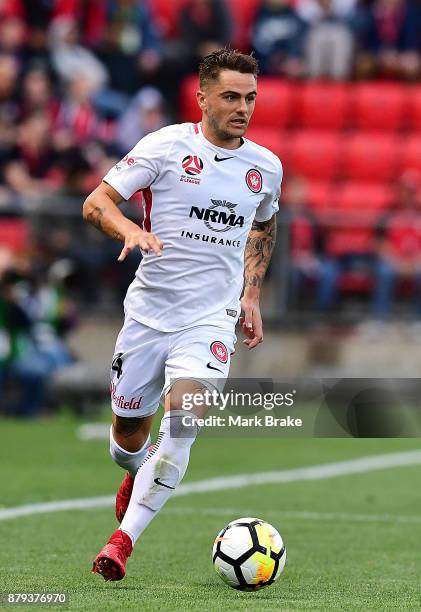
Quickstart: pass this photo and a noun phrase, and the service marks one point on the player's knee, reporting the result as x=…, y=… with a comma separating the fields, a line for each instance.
x=129, y=433
x=186, y=394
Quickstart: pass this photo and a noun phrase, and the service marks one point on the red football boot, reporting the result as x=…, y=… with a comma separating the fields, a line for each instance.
x=111, y=561
x=123, y=496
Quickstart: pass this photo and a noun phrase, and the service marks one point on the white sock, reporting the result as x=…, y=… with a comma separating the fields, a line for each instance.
x=128, y=461
x=167, y=464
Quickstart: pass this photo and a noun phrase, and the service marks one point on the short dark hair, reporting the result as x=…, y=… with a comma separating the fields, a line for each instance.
x=226, y=59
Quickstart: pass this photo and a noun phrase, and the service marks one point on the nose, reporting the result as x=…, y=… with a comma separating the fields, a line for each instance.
x=242, y=106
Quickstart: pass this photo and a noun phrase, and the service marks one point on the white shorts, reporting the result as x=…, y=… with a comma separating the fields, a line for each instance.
x=147, y=361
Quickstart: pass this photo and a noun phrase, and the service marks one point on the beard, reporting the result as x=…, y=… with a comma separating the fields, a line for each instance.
x=223, y=133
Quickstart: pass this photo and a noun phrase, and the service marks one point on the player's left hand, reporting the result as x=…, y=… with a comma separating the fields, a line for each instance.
x=251, y=323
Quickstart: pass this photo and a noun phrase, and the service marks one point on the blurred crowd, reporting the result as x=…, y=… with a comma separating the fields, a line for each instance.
x=390, y=264
x=81, y=81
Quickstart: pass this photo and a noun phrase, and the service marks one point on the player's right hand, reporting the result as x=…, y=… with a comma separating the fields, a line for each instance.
x=143, y=240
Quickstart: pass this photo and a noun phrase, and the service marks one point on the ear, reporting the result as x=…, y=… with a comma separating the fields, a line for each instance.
x=201, y=100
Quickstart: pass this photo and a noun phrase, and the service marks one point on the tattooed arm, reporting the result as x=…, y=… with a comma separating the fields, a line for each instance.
x=101, y=209
x=259, y=248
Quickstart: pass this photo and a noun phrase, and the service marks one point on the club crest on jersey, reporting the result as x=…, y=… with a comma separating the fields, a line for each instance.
x=219, y=217
x=220, y=351
x=254, y=180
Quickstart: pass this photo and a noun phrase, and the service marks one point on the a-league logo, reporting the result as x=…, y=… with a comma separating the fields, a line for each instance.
x=192, y=165
x=254, y=180
x=220, y=351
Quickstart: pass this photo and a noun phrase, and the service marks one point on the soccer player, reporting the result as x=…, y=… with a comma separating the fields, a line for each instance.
x=210, y=198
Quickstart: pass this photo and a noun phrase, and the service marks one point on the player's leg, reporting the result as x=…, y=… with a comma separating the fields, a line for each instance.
x=137, y=376
x=130, y=442
x=195, y=357
x=161, y=471
x=165, y=466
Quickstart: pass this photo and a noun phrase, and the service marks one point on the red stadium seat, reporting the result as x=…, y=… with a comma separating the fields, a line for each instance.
x=243, y=13
x=274, y=104
x=189, y=108
x=323, y=105
x=14, y=234
x=414, y=108
x=410, y=153
x=274, y=140
x=354, y=240
x=371, y=157
x=320, y=195
x=315, y=155
x=379, y=106
x=363, y=197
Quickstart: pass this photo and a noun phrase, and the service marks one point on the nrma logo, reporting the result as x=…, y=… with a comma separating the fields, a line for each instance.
x=220, y=213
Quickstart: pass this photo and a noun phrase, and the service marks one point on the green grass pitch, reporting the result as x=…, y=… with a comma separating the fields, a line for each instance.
x=352, y=541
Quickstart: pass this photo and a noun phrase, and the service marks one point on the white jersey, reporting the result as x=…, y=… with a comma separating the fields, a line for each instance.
x=200, y=200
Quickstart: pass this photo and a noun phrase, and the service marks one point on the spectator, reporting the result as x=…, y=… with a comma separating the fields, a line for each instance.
x=32, y=315
x=145, y=114
x=388, y=36
x=399, y=246
x=205, y=26
x=77, y=115
x=38, y=15
x=12, y=36
x=70, y=59
x=9, y=72
x=29, y=166
x=7, y=148
x=37, y=95
x=329, y=43
x=90, y=15
x=131, y=49
x=307, y=261
x=277, y=38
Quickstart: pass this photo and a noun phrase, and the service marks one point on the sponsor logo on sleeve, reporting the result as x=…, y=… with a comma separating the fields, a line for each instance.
x=128, y=161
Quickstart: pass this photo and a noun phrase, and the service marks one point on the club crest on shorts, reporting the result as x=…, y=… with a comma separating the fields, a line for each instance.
x=254, y=180
x=220, y=351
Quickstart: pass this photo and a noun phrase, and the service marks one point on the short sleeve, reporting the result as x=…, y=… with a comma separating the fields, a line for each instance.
x=270, y=203
x=139, y=168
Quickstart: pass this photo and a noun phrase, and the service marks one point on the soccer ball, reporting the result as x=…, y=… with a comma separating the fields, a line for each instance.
x=249, y=554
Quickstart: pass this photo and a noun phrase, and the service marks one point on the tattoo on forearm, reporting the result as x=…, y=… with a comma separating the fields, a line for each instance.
x=95, y=217
x=259, y=248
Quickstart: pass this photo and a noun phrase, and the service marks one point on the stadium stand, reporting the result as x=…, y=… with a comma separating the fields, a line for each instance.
x=314, y=154
x=323, y=105
x=379, y=106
